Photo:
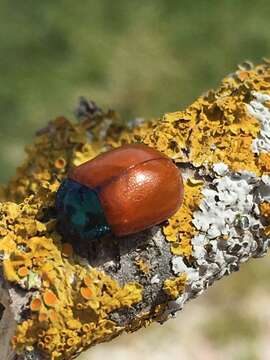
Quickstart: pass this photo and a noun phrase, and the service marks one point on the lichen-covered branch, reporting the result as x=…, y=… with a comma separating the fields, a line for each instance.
x=60, y=295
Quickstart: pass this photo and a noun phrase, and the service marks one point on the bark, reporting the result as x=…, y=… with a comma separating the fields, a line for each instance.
x=229, y=217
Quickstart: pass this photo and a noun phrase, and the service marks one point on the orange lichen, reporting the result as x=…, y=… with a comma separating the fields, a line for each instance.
x=23, y=271
x=87, y=281
x=42, y=317
x=35, y=304
x=86, y=292
x=53, y=315
x=49, y=298
x=60, y=163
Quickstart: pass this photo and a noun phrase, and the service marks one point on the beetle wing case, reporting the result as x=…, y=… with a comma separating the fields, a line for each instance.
x=137, y=186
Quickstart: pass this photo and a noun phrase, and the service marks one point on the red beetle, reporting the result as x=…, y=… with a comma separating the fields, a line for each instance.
x=137, y=187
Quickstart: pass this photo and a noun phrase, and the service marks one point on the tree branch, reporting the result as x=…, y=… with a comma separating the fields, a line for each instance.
x=220, y=143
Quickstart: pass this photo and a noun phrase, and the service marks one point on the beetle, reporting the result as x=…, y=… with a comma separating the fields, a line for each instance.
x=122, y=191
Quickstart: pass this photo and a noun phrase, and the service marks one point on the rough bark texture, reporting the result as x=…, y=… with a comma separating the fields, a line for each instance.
x=220, y=143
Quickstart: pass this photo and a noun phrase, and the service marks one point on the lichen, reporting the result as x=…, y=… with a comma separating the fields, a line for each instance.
x=220, y=142
x=143, y=265
x=174, y=287
x=218, y=127
x=71, y=303
x=265, y=209
x=59, y=146
x=180, y=229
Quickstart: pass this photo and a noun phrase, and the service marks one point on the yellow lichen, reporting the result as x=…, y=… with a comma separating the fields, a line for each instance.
x=215, y=128
x=144, y=319
x=265, y=209
x=267, y=230
x=174, y=287
x=264, y=162
x=180, y=229
x=143, y=265
x=58, y=278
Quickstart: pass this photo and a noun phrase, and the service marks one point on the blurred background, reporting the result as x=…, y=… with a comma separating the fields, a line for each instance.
x=142, y=59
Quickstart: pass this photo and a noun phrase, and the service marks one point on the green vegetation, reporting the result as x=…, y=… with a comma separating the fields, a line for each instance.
x=141, y=58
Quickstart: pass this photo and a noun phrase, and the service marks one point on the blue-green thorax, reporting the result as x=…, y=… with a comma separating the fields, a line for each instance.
x=79, y=211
